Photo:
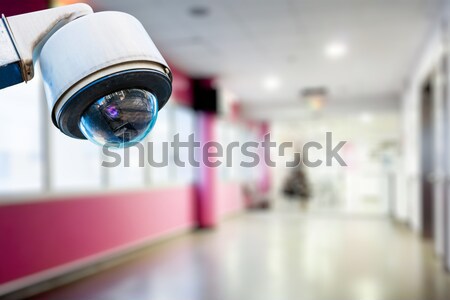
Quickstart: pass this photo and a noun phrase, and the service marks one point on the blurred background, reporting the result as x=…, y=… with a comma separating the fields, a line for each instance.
x=373, y=73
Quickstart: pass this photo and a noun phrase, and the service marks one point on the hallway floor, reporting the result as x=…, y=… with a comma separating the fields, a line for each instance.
x=274, y=256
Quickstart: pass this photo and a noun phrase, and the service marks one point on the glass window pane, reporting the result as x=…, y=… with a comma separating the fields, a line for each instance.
x=130, y=173
x=159, y=150
x=74, y=164
x=223, y=139
x=184, y=126
x=20, y=150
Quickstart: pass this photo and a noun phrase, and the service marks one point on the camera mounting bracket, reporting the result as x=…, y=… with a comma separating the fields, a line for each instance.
x=22, y=37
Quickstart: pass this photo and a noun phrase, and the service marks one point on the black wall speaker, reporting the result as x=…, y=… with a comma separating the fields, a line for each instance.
x=205, y=96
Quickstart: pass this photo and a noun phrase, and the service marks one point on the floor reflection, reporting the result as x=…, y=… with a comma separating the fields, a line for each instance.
x=277, y=256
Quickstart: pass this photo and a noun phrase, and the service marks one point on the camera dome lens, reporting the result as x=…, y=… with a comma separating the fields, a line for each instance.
x=120, y=119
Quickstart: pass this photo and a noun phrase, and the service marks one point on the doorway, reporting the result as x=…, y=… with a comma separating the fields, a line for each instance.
x=427, y=167
x=433, y=143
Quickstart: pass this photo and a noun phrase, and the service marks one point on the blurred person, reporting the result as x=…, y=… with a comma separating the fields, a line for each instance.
x=297, y=187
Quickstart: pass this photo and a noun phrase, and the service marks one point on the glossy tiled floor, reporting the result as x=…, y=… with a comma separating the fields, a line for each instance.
x=275, y=256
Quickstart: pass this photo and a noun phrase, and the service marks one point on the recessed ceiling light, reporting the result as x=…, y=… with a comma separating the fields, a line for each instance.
x=315, y=97
x=366, y=118
x=199, y=11
x=336, y=50
x=271, y=83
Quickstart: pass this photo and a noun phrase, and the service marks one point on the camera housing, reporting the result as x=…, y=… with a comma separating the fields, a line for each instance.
x=95, y=56
x=95, y=61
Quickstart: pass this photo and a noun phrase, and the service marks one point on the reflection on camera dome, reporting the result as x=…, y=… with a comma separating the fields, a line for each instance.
x=120, y=119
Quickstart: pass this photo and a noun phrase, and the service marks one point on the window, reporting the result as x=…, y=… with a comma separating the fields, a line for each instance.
x=222, y=138
x=161, y=135
x=21, y=167
x=184, y=126
x=130, y=173
x=74, y=163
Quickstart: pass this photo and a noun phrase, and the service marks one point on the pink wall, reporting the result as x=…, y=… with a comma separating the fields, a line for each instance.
x=42, y=235
x=12, y=7
x=215, y=199
x=230, y=198
x=207, y=183
x=181, y=87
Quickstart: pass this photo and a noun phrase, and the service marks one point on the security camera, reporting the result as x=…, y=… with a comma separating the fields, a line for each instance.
x=104, y=78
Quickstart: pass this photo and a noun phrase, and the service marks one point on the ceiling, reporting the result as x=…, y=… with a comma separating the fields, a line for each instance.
x=242, y=42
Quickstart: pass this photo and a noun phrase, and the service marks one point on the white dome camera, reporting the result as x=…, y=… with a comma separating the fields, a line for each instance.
x=104, y=78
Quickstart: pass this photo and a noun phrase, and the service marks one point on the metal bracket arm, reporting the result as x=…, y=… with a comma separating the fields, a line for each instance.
x=22, y=37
